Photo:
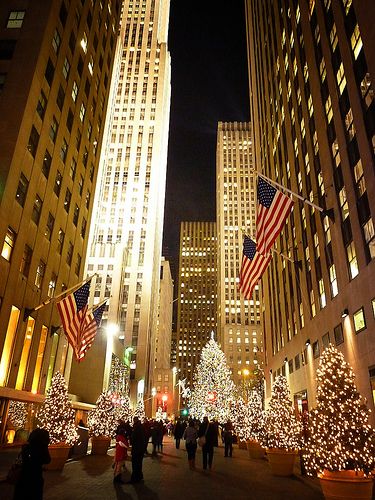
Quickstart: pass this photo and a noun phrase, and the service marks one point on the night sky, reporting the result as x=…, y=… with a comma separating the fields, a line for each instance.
x=209, y=84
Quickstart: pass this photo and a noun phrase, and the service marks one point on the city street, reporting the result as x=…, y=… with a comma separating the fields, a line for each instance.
x=167, y=477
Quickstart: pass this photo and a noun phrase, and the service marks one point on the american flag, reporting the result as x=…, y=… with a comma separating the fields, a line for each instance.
x=91, y=324
x=253, y=266
x=73, y=311
x=273, y=209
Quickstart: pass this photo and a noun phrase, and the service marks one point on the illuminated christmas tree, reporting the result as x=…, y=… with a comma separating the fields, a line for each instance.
x=17, y=413
x=122, y=407
x=340, y=437
x=255, y=418
x=238, y=417
x=213, y=390
x=159, y=414
x=102, y=419
x=56, y=414
x=282, y=428
x=140, y=410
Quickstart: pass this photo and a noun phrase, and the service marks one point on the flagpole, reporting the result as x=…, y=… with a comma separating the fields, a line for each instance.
x=46, y=302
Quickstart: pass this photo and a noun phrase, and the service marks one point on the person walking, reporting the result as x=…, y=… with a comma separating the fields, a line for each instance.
x=228, y=439
x=34, y=455
x=121, y=453
x=138, y=439
x=190, y=436
x=208, y=431
x=178, y=433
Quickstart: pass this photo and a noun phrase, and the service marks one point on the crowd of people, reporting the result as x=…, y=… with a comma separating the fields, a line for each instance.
x=131, y=440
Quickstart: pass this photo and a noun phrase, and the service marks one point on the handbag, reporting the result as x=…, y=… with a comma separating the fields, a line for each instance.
x=14, y=472
x=202, y=439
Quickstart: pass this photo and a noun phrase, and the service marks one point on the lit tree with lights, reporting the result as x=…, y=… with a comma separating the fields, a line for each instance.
x=255, y=418
x=159, y=414
x=102, y=419
x=17, y=413
x=282, y=428
x=238, y=417
x=213, y=390
x=140, y=410
x=340, y=437
x=56, y=414
x=122, y=407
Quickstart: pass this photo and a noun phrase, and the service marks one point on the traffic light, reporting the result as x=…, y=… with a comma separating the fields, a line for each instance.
x=185, y=412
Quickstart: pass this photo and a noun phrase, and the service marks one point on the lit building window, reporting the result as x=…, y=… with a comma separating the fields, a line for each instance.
x=16, y=18
x=359, y=320
x=9, y=241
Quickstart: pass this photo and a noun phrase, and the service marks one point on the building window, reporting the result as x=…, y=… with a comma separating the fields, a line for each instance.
x=23, y=184
x=75, y=215
x=50, y=71
x=37, y=208
x=297, y=362
x=290, y=365
x=49, y=226
x=42, y=104
x=325, y=340
x=82, y=112
x=53, y=129
x=373, y=307
x=46, y=165
x=15, y=18
x=66, y=69
x=78, y=264
x=83, y=227
x=338, y=334
x=60, y=241
x=52, y=285
x=41, y=269
x=26, y=261
x=9, y=241
x=68, y=197
x=316, y=349
x=6, y=356
x=352, y=260
x=359, y=320
x=56, y=41
x=74, y=91
x=63, y=150
x=356, y=41
x=69, y=254
x=58, y=182
x=32, y=145
x=60, y=98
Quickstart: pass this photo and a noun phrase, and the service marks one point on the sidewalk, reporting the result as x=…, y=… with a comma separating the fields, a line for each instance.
x=168, y=477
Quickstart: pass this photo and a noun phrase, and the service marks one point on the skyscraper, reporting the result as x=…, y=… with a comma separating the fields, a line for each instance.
x=56, y=61
x=197, y=293
x=311, y=67
x=239, y=319
x=125, y=239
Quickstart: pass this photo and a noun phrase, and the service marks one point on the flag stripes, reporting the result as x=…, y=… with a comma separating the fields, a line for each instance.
x=253, y=266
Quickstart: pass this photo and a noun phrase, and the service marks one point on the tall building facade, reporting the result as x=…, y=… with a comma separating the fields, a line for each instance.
x=239, y=319
x=126, y=235
x=56, y=60
x=162, y=375
x=197, y=294
x=312, y=70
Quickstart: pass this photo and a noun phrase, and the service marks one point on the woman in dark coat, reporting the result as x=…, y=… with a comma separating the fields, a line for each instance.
x=34, y=455
x=208, y=430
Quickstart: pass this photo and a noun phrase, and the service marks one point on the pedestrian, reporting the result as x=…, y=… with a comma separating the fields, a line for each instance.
x=154, y=437
x=215, y=424
x=160, y=435
x=228, y=439
x=207, y=430
x=121, y=453
x=178, y=433
x=190, y=436
x=34, y=455
x=138, y=441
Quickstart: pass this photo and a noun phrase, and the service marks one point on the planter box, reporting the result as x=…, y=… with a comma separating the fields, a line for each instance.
x=281, y=461
x=346, y=485
x=100, y=445
x=242, y=445
x=255, y=449
x=59, y=454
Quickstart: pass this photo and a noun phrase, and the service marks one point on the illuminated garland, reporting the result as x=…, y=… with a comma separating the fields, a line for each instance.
x=340, y=437
x=102, y=419
x=56, y=414
x=282, y=428
x=213, y=390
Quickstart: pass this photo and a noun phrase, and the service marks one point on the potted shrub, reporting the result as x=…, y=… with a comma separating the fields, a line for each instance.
x=102, y=424
x=56, y=415
x=255, y=426
x=340, y=448
x=282, y=430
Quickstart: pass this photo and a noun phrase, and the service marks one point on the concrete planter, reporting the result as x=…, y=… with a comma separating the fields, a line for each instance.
x=59, y=453
x=281, y=461
x=255, y=449
x=346, y=485
x=100, y=445
x=242, y=445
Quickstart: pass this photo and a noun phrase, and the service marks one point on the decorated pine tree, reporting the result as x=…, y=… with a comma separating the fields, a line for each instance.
x=340, y=437
x=122, y=407
x=213, y=390
x=238, y=417
x=159, y=414
x=282, y=427
x=17, y=413
x=140, y=410
x=255, y=415
x=102, y=419
x=56, y=414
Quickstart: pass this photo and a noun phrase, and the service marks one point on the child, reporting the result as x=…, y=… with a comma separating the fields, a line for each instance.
x=122, y=445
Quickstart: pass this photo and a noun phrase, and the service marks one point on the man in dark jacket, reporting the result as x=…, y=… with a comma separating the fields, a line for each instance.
x=178, y=432
x=208, y=430
x=138, y=450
